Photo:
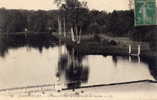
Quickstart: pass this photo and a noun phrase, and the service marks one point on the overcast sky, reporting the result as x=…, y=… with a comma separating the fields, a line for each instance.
x=107, y=5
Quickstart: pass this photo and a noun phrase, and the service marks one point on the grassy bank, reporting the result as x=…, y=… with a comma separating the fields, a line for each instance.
x=90, y=44
x=106, y=45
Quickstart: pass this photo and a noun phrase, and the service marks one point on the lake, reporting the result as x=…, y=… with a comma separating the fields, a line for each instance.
x=30, y=65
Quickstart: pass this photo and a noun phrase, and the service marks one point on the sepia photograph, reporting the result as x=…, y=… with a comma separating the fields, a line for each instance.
x=78, y=49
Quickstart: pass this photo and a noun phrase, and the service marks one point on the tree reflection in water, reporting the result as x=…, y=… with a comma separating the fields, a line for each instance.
x=150, y=61
x=36, y=41
x=70, y=66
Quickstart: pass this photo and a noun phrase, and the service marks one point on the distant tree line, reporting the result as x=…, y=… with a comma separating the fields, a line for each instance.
x=116, y=23
x=22, y=20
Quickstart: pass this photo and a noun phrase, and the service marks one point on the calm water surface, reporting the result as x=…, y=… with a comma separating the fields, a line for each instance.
x=25, y=66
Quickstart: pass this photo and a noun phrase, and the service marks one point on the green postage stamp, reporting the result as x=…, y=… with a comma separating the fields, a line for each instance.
x=145, y=12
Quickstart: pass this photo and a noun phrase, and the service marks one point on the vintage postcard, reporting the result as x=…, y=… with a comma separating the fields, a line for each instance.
x=78, y=49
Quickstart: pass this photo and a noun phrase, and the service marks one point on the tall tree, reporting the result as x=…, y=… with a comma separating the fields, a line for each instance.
x=72, y=12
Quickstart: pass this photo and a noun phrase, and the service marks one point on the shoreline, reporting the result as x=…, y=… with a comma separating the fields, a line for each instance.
x=99, y=47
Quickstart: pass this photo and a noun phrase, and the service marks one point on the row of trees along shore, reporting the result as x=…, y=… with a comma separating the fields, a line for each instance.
x=116, y=23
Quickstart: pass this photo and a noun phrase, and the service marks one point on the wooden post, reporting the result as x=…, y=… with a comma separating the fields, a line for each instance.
x=129, y=58
x=139, y=50
x=129, y=49
x=139, y=60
